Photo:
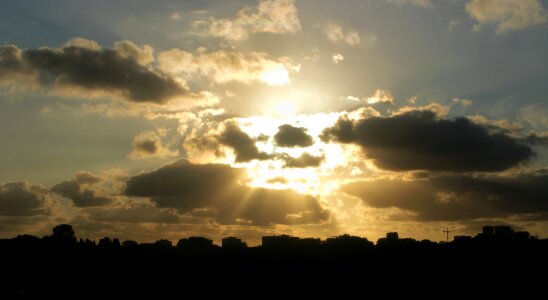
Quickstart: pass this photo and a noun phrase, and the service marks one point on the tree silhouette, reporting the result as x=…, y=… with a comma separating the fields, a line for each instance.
x=64, y=232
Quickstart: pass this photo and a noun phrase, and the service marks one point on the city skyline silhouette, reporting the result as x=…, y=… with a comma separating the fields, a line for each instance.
x=212, y=148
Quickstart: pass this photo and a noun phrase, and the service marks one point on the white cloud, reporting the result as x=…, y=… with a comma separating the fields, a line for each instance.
x=438, y=109
x=352, y=38
x=271, y=16
x=499, y=123
x=337, y=58
x=175, y=16
x=313, y=56
x=463, y=102
x=380, y=96
x=227, y=65
x=335, y=34
x=352, y=98
x=507, y=14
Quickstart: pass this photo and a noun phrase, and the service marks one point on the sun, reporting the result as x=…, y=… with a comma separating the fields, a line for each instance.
x=276, y=76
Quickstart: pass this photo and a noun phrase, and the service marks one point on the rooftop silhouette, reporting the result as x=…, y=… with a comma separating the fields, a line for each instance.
x=195, y=259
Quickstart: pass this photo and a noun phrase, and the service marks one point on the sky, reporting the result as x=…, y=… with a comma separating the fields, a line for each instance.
x=160, y=119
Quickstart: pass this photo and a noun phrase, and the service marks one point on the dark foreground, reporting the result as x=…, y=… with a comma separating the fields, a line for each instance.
x=59, y=265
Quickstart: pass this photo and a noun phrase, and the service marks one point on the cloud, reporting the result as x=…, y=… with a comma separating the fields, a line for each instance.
x=464, y=197
x=243, y=145
x=537, y=139
x=335, y=34
x=85, y=177
x=81, y=197
x=225, y=65
x=507, y=15
x=149, y=144
x=496, y=124
x=313, y=56
x=290, y=136
x=439, y=110
x=82, y=66
x=380, y=96
x=462, y=102
x=352, y=98
x=22, y=199
x=216, y=190
x=11, y=62
x=270, y=16
x=175, y=16
x=421, y=3
x=304, y=161
x=419, y=140
x=278, y=179
x=337, y=58
x=138, y=214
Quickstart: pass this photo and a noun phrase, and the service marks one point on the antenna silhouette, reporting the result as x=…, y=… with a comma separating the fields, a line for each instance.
x=447, y=232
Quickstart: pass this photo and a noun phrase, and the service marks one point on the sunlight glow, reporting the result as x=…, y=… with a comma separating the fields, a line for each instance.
x=277, y=75
x=272, y=173
x=285, y=108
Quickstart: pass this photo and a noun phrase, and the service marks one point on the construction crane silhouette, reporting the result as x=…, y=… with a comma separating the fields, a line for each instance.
x=447, y=232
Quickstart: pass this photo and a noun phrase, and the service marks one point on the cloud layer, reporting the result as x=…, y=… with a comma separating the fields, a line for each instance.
x=454, y=198
x=216, y=191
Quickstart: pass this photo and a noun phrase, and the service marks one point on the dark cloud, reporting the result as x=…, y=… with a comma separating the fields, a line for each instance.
x=304, y=161
x=537, y=140
x=217, y=189
x=450, y=198
x=243, y=145
x=149, y=144
x=81, y=197
x=418, y=140
x=123, y=69
x=22, y=199
x=290, y=136
x=10, y=61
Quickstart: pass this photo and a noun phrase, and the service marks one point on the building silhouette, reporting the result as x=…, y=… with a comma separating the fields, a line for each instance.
x=522, y=235
x=462, y=238
x=504, y=232
x=392, y=236
x=195, y=244
x=232, y=243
